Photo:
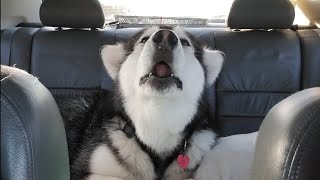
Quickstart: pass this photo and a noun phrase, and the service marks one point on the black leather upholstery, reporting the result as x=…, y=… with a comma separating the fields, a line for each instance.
x=288, y=142
x=310, y=54
x=75, y=54
x=123, y=35
x=72, y=13
x=261, y=14
x=21, y=47
x=16, y=45
x=33, y=141
x=261, y=69
x=6, y=41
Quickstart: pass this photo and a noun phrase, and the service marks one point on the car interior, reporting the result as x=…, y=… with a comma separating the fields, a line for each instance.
x=270, y=81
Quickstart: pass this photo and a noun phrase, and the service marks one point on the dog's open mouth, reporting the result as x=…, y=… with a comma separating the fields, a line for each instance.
x=161, y=76
x=162, y=70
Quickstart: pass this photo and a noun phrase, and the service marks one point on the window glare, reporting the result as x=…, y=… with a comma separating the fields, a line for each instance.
x=300, y=18
x=168, y=8
x=207, y=9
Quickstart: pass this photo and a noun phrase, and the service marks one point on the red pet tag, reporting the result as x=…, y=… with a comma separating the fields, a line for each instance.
x=183, y=159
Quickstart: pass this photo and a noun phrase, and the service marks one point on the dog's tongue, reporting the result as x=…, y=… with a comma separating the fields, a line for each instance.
x=162, y=70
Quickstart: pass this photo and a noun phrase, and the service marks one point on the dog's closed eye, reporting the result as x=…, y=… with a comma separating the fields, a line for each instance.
x=144, y=40
x=184, y=42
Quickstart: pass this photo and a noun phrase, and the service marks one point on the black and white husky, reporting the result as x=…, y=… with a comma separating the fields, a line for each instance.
x=154, y=124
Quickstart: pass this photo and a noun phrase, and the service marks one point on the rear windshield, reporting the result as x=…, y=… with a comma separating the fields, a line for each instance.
x=198, y=12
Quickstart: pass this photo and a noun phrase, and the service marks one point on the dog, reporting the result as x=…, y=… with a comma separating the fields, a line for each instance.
x=153, y=124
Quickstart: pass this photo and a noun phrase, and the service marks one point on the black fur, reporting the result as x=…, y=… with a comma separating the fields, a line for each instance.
x=76, y=110
x=129, y=46
x=87, y=118
x=198, y=47
x=162, y=83
x=165, y=27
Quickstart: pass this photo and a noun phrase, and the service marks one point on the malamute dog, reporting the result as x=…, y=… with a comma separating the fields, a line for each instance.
x=154, y=124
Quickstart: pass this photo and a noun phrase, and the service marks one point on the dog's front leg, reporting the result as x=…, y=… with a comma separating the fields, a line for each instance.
x=200, y=143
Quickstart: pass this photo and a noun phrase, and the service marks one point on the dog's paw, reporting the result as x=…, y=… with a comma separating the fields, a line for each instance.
x=201, y=143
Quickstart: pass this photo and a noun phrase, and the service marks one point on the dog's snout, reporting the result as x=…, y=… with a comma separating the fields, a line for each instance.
x=165, y=39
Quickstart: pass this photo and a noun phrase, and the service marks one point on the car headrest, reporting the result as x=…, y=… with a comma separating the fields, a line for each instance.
x=261, y=14
x=72, y=13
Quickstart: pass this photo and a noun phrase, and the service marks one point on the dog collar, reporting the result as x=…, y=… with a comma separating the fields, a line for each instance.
x=128, y=130
x=183, y=159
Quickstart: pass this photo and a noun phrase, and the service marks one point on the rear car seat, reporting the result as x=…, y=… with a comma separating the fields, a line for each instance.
x=16, y=46
x=262, y=66
x=66, y=60
x=310, y=57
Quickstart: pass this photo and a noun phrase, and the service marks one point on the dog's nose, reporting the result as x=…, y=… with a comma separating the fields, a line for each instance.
x=165, y=39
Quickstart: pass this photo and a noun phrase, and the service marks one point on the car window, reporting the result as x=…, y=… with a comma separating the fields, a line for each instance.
x=166, y=10
x=174, y=11
x=300, y=18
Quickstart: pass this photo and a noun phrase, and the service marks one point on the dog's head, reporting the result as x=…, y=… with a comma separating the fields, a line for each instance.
x=162, y=62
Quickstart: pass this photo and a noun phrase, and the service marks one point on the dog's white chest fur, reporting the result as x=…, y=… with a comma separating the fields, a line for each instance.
x=157, y=123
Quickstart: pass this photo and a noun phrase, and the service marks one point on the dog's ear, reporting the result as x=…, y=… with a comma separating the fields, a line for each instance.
x=112, y=57
x=212, y=61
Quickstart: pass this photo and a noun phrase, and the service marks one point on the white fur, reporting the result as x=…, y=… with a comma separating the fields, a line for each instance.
x=201, y=143
x=213, y=61
x=160, y=117
x=113, y=56
x=103, y=163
